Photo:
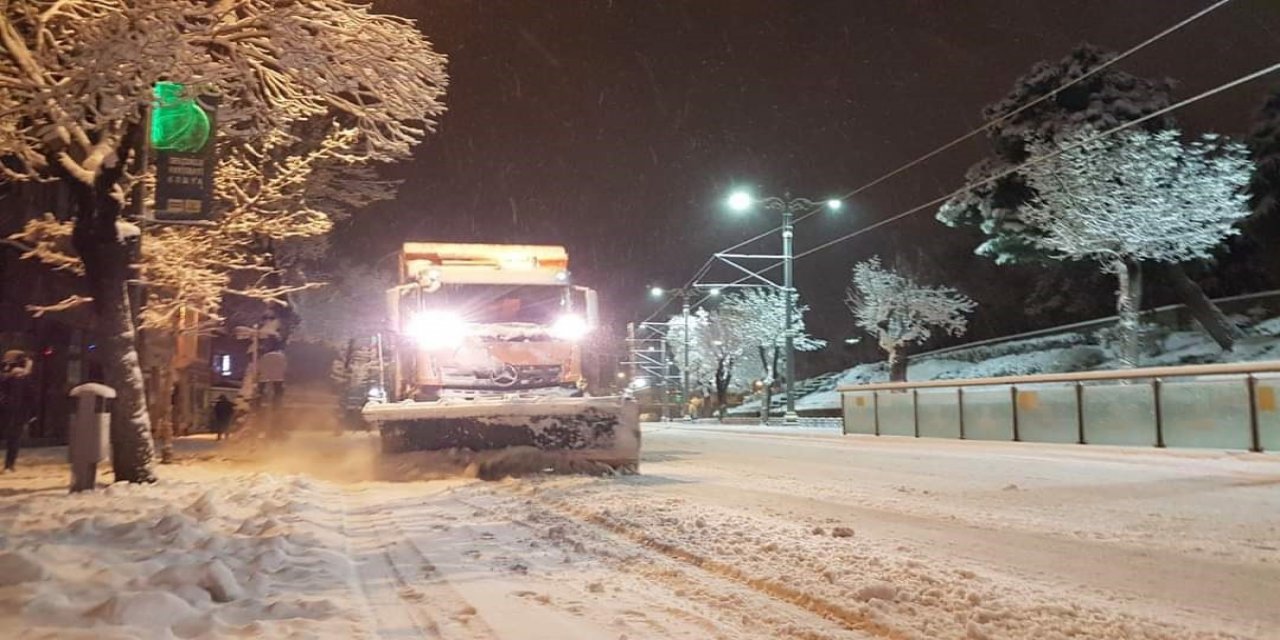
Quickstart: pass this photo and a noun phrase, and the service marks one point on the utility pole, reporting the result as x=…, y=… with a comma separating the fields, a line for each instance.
x=684, y=367
x=789, y=301
x=788, y=207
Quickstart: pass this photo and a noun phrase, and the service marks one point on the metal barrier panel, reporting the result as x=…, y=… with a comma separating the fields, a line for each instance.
x=1048, y=414
x=1120, y=414
x=939, y=413
x=897, y=413
x=1267, y=402
x=1210, y=414
x=988, y=413
x=859, y=412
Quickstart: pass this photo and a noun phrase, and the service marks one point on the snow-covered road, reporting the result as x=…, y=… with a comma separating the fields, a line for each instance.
x=729, y=533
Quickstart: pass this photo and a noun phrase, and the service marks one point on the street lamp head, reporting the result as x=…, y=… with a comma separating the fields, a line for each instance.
x=715, y=292
x=740, y=201
x=656, y=291
x=834, y=204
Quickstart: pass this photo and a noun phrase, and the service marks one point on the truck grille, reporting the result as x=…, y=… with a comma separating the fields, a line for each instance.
x=509, y=377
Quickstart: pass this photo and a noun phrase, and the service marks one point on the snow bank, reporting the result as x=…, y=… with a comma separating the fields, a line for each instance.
x=1059, y=353
x=127, y=230
x=251, y=556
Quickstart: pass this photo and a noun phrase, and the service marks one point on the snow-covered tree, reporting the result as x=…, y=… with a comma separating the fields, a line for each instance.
x=1263, y=228
x=1136, y=196
x=1264, y=149
x=901, y=312
x=78, y=76
x=756, y=320
x=716, y=353
x=1104, y=100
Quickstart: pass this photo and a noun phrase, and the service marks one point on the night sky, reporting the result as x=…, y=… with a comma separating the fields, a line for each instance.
x=617, y=127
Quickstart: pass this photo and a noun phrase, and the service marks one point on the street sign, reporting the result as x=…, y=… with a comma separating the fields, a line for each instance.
x=182, y=135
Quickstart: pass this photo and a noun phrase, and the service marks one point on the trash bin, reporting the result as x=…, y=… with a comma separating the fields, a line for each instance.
x=89, y=438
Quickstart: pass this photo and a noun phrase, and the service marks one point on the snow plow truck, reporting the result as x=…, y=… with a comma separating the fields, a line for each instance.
x=486, y=356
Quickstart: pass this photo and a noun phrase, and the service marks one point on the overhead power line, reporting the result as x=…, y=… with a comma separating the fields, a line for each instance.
x=949, y=145
x=991, y=123
x=1033, y=161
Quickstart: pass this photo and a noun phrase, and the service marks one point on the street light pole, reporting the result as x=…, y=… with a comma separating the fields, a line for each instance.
x=684, y=367
x=789, y=301
x=788, y=206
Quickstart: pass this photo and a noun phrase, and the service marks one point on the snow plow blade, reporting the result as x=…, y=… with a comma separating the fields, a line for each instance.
x=562, y=434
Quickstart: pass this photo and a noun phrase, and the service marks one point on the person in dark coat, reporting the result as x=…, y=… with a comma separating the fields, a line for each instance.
x=14, y=370
x=222, y=412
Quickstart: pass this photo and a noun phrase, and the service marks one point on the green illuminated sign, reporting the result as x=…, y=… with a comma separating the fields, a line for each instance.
x=177, y=122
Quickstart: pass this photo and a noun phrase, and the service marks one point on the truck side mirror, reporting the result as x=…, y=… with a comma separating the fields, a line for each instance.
x=593, y=308
x=393, y=309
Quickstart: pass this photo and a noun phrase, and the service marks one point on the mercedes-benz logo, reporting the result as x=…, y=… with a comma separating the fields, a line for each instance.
x=506, y=376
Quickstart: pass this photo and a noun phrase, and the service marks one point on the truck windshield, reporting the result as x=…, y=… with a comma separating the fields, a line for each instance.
x=491, y=304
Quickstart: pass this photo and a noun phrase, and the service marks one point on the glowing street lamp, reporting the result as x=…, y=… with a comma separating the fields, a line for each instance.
x=740, y=201
x=656, y=292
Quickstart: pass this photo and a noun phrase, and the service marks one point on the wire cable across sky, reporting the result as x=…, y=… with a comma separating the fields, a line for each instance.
x=1029, y=162
x=991, y=123
x=955, y=142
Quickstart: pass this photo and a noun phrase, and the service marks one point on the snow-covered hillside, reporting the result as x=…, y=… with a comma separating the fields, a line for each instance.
x=1056, y=353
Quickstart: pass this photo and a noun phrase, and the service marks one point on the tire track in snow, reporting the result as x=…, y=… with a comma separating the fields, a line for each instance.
x=851, y=619
x=687, y=563
x=707, y=627
x=394, y=558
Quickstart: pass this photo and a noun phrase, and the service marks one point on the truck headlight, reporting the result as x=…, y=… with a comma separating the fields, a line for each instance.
x=570, y=327
x=437, y=329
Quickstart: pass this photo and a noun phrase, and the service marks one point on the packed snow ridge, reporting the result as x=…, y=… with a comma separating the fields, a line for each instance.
x=185, y=559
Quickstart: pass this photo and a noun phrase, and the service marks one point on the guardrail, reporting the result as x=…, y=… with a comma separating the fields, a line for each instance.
x=1224, y=406
x=777, y=421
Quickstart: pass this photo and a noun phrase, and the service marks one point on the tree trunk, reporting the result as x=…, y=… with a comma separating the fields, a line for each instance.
x=897, y=365
x=1210, y=317
x=722, y=388
x=766, y=394
x=107, y=267
x=1128, y=302
x=132, y=451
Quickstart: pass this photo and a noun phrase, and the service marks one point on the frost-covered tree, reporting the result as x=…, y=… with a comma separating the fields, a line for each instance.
x=78, y=76
x=1263, y=228
x=716, y=351
x=901, y=312
x=1104, y=100
x=723, y=352
x=1101, y=101
x=755, y=319
x=1136, y=196
x=1264, y=149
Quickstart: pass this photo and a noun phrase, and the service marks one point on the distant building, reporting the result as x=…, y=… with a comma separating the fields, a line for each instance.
x=61, y=344
x=177, y=370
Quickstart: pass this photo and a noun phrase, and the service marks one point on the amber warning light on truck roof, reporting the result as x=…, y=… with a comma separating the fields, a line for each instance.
x=527, y=256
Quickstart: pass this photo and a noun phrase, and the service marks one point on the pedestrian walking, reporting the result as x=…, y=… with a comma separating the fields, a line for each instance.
x=223, y=410
x=14, y=370
x=695, y=408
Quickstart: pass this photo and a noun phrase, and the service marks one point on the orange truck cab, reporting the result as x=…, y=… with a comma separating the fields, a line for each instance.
x=477, y=320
